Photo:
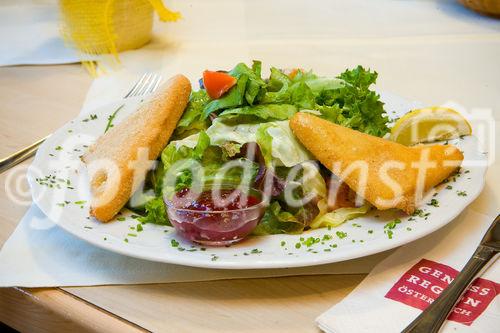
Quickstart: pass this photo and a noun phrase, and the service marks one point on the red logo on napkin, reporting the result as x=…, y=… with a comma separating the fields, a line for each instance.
x=425, y=281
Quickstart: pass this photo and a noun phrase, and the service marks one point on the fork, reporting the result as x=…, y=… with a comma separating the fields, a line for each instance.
x=147, y=84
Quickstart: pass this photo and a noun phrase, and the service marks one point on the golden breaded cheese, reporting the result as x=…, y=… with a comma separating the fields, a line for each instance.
x=111, y=158
x=374, y=167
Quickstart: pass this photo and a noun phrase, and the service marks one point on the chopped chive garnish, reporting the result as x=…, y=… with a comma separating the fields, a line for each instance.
x=392, y=224
x=341, y=234
x=111, y=118
x=433, y=203
x=327, y=237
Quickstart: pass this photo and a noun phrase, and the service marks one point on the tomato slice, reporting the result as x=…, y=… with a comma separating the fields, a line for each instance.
x=217, y=83
x=294, y=72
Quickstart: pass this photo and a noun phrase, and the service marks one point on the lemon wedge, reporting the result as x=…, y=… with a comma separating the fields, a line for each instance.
x=428, y=125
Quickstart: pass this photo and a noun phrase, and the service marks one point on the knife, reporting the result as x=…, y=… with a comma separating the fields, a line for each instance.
x=432, y=318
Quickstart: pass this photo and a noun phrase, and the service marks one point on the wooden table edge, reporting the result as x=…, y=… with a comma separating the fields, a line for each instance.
x=56, y=310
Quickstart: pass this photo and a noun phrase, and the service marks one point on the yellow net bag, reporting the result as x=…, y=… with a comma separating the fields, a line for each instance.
x=97, y=27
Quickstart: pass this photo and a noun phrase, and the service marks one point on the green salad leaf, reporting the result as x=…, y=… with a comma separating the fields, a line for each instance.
x=339, y=216
x=276, y=141
x=360, y=108
x=155, y=212
x=285, y=149
x=278, y=221
x=248, y=89
x=191, y=121
x=173, y=153
x=254, y=83
x=258, y=113
x=233, y=98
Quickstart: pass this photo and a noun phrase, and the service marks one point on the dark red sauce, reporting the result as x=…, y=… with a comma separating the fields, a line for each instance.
x=215, y=218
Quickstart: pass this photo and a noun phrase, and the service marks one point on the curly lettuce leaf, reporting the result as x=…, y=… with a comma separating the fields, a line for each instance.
x=155, y=212
x=360, y=108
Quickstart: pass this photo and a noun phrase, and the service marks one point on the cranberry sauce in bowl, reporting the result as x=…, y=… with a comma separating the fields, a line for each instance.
x=215, y=217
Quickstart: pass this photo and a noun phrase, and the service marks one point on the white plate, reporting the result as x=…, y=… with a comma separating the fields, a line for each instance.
x=365, y=235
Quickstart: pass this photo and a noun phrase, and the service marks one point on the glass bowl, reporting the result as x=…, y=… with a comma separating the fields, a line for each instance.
x=215, y=218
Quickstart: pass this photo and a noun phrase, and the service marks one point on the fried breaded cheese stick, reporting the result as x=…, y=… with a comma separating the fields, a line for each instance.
x=385, y=173
x=110, y=160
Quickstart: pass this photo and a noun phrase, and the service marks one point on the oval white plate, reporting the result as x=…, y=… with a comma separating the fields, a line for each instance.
x=63, y=196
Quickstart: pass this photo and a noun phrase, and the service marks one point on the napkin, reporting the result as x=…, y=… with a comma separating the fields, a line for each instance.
x=29, y=34
x=403, y=284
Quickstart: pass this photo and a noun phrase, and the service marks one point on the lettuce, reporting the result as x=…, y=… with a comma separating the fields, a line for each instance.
x=277, y=87
x=277, y=221
x=282, y=90
x=354, y=105
x=155, y=212
x=220, y=133
x=173, y=152
x=249, y=87
x=265, y=142
x=319, y=84
x=186, y=156
x=314, y=184
x=233, y=98
x=239, y=172
x=258, y=113
x=346, y=100
x=255, y=82
x=339, y=216
x=191, y=121
x=278, y=144
x=286, y=149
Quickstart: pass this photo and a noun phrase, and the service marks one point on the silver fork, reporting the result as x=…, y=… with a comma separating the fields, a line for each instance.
x=147, y=84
